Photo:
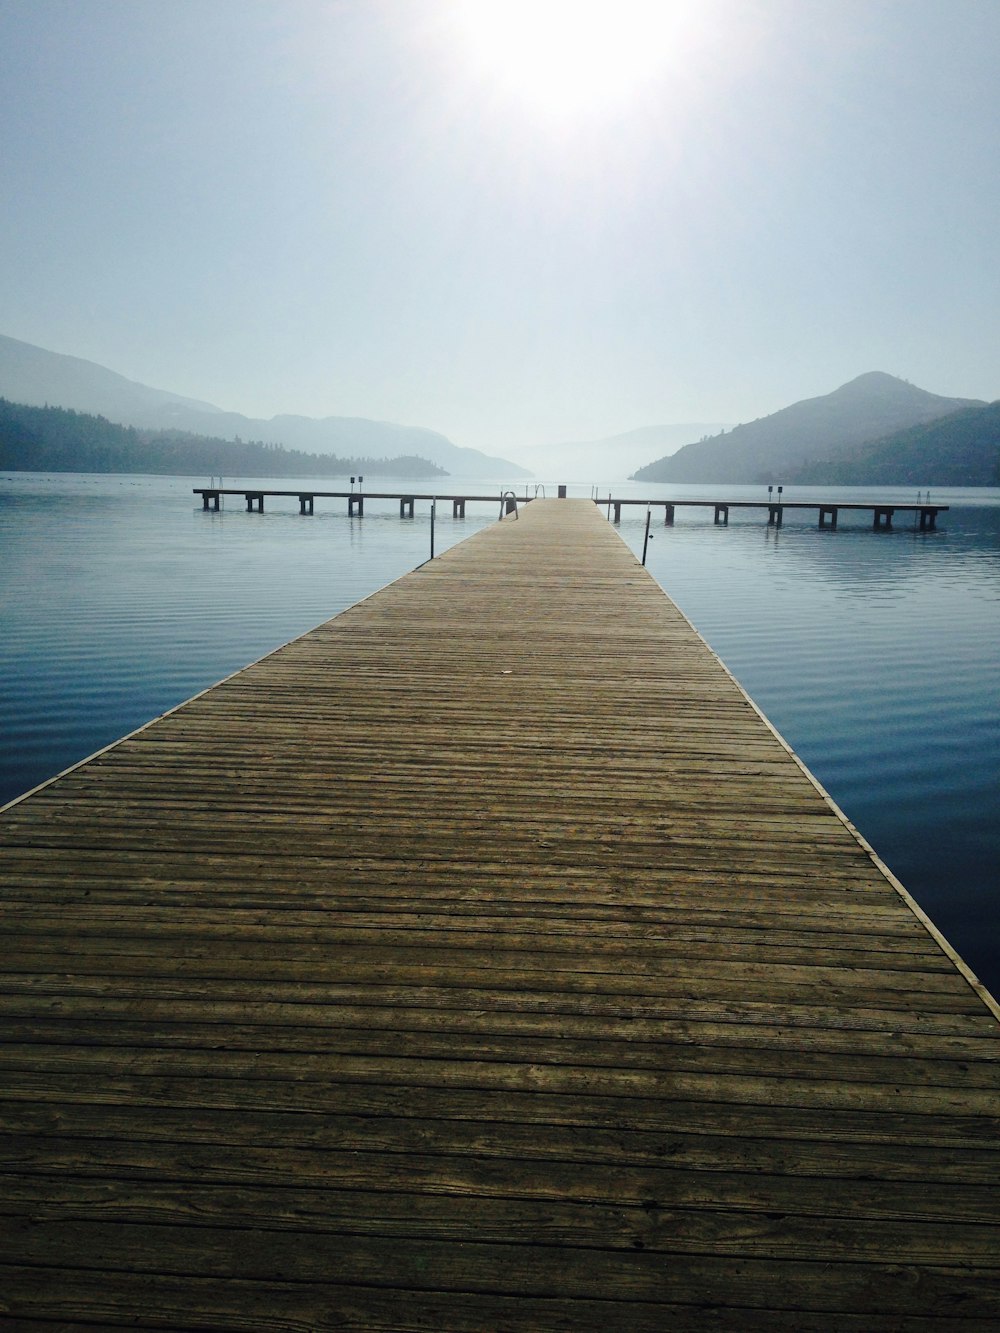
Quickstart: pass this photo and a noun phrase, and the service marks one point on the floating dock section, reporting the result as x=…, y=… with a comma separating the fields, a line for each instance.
x=483, y=960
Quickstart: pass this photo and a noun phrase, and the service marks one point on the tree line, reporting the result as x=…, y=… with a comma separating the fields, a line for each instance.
x=961, y=449
x=58, y=439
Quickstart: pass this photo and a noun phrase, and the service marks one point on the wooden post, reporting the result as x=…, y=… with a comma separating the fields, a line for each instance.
x=668, y=516
x=618, y=511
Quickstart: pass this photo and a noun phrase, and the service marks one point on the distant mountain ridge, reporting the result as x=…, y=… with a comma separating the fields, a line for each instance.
x=773, y=448
x=61, y=439
x=37, y=377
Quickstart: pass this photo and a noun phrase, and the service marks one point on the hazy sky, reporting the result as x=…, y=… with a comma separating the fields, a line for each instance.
x=582, y=219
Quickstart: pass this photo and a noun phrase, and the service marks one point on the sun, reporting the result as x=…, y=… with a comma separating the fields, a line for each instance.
x=565, y=58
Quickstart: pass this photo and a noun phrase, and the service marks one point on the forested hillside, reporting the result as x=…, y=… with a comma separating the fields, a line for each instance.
x=55, y=439
x=962, y=449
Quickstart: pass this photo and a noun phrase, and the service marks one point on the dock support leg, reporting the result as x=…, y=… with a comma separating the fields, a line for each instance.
x=722, y=514
x=618, y=511
x=774, y=516
x=255, y=500
x=406, y=506
x=883, y=519
x=828, y=512
x=928, y=519
x=458, y=508
x=305, y=504
x=212, y=496
x=668, y=516
x=355, y=505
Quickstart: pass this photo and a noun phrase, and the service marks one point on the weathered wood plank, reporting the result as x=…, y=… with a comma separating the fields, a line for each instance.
x=554, y=1050
x=512, y=1269
x=842, y=1125
x=575, y=1208
x=161, y=1301
x=871, y=1147
x=211, y=1021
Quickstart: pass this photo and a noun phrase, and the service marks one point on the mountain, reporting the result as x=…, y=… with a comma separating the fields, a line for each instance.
x=961, y=449
x=770, y=449
x=610, y=459
x=37, y=377
x=34, y=376
x=60, y=439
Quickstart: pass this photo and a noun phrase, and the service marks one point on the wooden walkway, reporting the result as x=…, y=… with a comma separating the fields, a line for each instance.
x=925, y=515
x=482, y=960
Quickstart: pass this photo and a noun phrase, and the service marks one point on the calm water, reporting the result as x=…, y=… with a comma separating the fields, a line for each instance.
x=875, y=654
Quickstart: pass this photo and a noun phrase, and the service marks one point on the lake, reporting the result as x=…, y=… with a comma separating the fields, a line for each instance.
x=874, y=654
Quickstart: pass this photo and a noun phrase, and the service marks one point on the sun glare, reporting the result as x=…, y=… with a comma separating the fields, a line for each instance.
x=570, y=57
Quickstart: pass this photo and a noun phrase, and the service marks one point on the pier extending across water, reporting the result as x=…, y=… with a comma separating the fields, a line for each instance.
x=828, y=511
x=254, y=498
x=483, y=959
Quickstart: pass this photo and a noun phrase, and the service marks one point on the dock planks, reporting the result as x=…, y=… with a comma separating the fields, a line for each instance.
x=482, y=960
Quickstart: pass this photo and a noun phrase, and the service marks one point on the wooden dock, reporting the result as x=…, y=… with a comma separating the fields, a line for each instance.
x=483, y=960
x=212, y=498
x=829, y=511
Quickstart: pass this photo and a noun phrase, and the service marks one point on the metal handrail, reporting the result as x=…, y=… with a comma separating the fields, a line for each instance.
x=508, y=499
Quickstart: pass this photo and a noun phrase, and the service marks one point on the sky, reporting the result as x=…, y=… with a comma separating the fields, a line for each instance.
x=513, y=223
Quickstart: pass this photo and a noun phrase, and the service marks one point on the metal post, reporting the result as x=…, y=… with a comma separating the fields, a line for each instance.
x=645, y=544
x=433, y=510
